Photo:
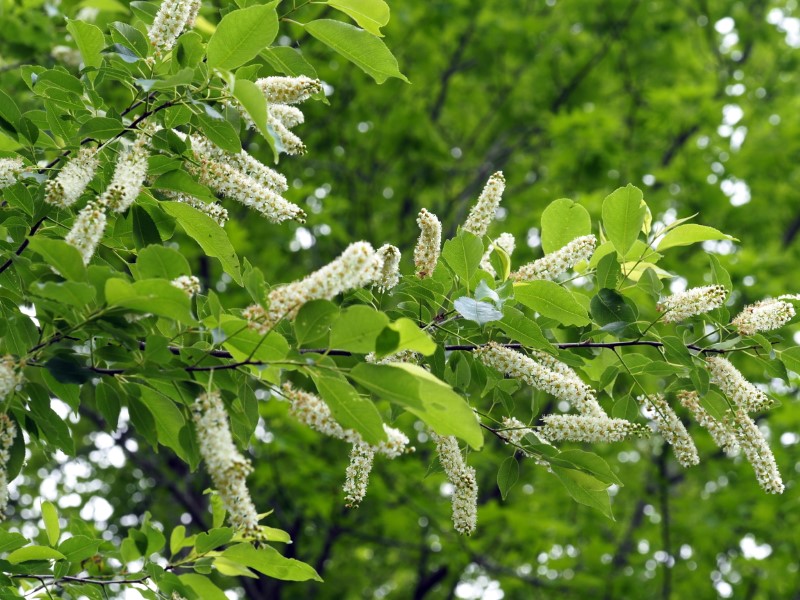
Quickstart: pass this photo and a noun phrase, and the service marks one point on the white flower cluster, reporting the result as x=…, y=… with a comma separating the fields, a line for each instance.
x=390, y=271
x=482, y=214
x=357, y=474
x=187, y=283
x=671, y=428
x=71, y=57
x=8, y=431
x=210, y=209
x=505, y=242
x=721, y=435
x=553, y=265
x=694, y=301
x=733, y=384
x=758, y=452
x=129, y=174
x=281, y=118
x=513, y=431
x=66, y=187
x=87, y=230
x=404, y=356
x=244, y=179
x=172, y=18
x=358, y=266
x=10, y=376
x=226, y=465
x=584, y=428
x=546, y=373
x=289, y=90
x=429, y=244
x=10, y=169
x=765, y=315
x=465, y=494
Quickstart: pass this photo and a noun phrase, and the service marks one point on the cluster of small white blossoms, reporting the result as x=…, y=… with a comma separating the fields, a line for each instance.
x=553, y=265
x=758, y=452
x=546, y=373
x=482, y=213
x=172, y=18
x=313, y=412
x=390, y=270
x=88, y=229
x=8, y=431
x=429, y=244
x=358, y=266
x=404, y=356
x=505, y=242
x=721, y=435
x=694, y=301
x=289, y=90
x=10, y=169
x=672, y=429
x=513, y=431
x=733, y=384
x=211, y=209
x=187, y=283
x=129, y=174
x=244, y=179
x=226, y=465
x=465, y=484
x=584, y=428
x=765, y=315
x=66, y=187
x=10, y=376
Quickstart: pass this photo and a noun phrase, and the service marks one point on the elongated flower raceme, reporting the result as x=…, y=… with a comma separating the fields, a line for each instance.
x=10, y=376
x=765, y=315
x=226, y=465
x=733, y=384
x=513, y=431
x=582, y=428
x=482, y=213
x=465, y=493
x=87, y=230
x=722, y=436
x=187, y=283
x=282, y=117
x=357, y=474
x=129, y=174
x=404, y=356
x=758, y=452
x=172, y=18
x=547, y=374
x=429, y=244
x=694, y=301
x=71, y=181
x=390, y=269
x=504, y=242
x=211, y=209
x=555, y=264
x=289, y=90
x=10, y=170
x=8, y=431
x=671, y=428
x=358, y=266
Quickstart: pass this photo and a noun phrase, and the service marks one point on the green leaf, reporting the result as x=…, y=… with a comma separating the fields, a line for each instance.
x=156, y=296
x=507, y=475
x=685, y=235
x=625, y=408
x=676, y=351
x=9, y=113
x=608, y=271
x=289, y=61
x=523, y=330
x=423, y=395
x=360, y=47
x=591, y=463
x=169, y=419
x=61, y=256
x=585, y=489
x=242, y=342
x=313, y=321
x=463, y=255
x=158, y=261
x=78, y=548
x=348, y=407
x=101, y=128
x=202, y=586
x=562, y=221
x=11, y=541
x=34, y=553
x=51, y=526
x=90, y=41
x=129, y=37
x=791, y=358
x=623, y=216
x=221, y=133
x=608, y=306
x=478, y=312
x=271, y=563
x=404, y=335
x=718, y=273
x=73, y=293
x=213, y=539
x=241, y=35
x=176, y=539
x=205, y=231
x=357, y=329
x=551, y=300
x=181, y=181
x=369, y=14
x=254, y=102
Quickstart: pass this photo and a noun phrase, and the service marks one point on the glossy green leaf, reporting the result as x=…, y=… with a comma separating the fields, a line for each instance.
x=403, y=335
x=623, y=215
x=350, y=409
x=271, y=563
x=562, y=221
x=463, y=255
x=61, y=256
x=357, y=329
x=51, y=526
x=241, y=35
x=90, y=41
x=585, y=489
x=369, y=14
x=507, y=475
x=156, y=296
x=313, y=321
x=685, y=235
x=34, y=553
x=551, y=300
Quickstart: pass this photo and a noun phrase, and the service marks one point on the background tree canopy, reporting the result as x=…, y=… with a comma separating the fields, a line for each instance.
x=694, y=102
